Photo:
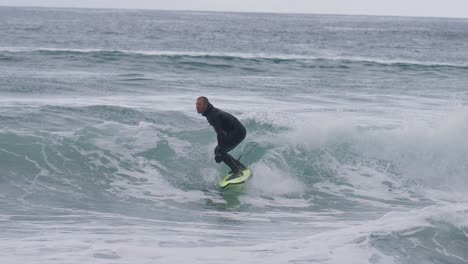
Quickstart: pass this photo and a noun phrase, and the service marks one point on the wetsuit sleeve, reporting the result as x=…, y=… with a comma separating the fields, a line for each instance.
x=220, y=132
x=216, y=122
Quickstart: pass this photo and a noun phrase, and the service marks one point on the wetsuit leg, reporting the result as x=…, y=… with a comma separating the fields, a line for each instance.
x=227, y=144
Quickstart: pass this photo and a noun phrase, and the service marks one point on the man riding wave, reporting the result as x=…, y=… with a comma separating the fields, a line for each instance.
x=229, y=130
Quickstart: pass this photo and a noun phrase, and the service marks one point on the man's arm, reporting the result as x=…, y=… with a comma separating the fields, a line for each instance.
x=216, y=121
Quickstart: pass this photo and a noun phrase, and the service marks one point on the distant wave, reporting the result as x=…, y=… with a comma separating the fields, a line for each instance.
x=234, y=56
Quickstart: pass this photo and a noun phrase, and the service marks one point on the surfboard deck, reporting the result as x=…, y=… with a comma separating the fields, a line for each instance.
x=228, y=181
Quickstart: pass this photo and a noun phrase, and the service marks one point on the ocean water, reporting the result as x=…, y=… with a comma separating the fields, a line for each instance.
x=361, y=124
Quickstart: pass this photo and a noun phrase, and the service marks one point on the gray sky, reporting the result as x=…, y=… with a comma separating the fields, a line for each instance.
x=437, y=8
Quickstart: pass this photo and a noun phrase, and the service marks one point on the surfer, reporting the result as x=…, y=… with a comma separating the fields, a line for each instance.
x=229, y=131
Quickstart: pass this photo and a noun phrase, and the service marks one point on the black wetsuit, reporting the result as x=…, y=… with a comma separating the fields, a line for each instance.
x=230, y=132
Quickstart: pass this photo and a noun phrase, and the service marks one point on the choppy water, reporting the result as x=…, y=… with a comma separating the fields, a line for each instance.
x=361, y=124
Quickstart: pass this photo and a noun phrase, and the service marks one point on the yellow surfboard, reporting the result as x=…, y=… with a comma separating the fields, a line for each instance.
x=228, y=180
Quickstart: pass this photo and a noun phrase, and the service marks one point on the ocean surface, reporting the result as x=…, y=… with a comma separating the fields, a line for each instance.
x=361, y=124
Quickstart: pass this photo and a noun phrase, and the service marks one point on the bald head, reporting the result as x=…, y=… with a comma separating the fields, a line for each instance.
x=202, y=104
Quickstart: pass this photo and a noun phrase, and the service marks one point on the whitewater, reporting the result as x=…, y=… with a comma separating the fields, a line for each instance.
x=361, y=125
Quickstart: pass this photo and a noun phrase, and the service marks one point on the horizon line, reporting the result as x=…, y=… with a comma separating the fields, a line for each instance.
x=230, y=11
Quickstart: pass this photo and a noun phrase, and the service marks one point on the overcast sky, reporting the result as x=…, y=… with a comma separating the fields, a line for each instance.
x=437, y=8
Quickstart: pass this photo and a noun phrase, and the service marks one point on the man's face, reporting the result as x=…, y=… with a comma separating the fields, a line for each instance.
x=201, y=106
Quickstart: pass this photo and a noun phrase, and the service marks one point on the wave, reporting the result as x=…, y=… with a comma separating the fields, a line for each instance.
x=166, y=156
x=233, y=56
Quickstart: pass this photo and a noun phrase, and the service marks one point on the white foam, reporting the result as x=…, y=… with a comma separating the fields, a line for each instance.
x=273, y=180
x=109, y=238
x=433, y=153
x=382, y=163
